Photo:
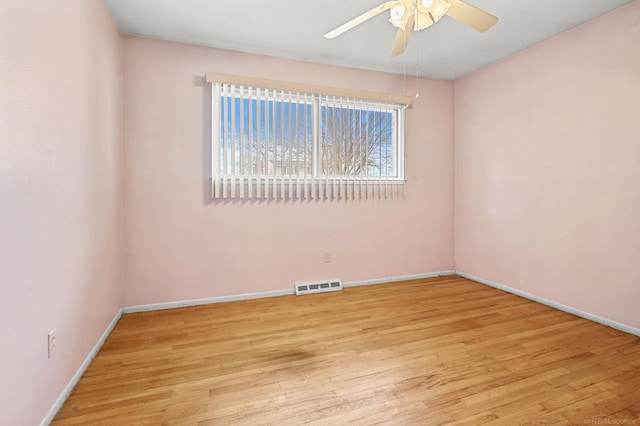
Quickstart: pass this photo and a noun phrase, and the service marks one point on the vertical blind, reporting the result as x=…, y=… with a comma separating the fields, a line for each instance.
x=285, y=144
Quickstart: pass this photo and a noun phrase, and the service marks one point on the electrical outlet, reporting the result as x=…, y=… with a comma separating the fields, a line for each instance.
x=327, y=256
x=51, y=343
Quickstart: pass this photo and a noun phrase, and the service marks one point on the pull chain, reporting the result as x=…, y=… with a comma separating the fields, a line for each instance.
x=404, y=76
x=417, y=64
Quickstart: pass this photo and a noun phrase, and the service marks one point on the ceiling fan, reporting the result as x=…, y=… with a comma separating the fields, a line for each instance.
x=417, y=15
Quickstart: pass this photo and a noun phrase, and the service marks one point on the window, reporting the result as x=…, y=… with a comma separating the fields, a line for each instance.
x=270, y=143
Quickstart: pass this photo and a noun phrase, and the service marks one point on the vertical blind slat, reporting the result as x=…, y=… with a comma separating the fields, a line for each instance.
x=378, y=129
x=297, y=138
x=366, y=153
x=327, y=166
x=232, y=144
x=290, y=143
x=336, y=152
x=258, y=143
x=250, y=142
x=316, y=111
x=241, y=124
x=267, y=150
x=349, y=150
x=225, y=115
x=280, y=129
x=305, y=186
x=360, y=152
x=338, y=108
x=215, y=137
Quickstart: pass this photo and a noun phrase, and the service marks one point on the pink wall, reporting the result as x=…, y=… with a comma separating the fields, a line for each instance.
x=548, y=169
x=60, y=195
x=180, y=244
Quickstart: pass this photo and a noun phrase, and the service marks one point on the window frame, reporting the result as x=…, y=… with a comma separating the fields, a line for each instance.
x=319, y=97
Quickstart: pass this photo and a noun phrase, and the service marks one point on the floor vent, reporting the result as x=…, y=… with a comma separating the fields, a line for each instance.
x=318, y=287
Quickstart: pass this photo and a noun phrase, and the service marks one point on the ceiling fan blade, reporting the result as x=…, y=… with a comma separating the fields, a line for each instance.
x=360, y=19
x=402, y=37
x=477, y=19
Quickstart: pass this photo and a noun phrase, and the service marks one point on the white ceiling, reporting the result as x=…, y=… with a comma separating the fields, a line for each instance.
x=294, y=29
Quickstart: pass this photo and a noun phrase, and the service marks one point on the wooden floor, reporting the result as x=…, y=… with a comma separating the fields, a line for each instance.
x=427, y=352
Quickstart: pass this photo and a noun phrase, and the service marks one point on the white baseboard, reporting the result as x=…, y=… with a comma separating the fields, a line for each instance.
x=206, y=301
x=587, y=315
x=76, y=377
x=399, y=278
x=275, y=293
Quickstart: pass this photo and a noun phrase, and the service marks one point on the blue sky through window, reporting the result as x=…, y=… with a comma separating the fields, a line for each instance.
x=275, y=137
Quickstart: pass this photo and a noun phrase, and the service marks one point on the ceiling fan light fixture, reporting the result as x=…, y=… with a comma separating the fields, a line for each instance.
x=440, y=9
x=398, y=15
x=397, y=12
x=428, y=15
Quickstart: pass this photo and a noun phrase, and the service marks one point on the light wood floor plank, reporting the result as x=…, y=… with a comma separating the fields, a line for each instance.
x=426, y=352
